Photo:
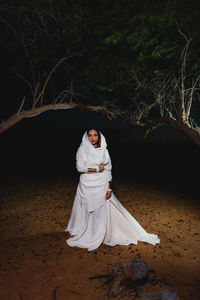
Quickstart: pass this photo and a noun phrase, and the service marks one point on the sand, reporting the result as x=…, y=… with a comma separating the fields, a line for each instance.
x=37, y=264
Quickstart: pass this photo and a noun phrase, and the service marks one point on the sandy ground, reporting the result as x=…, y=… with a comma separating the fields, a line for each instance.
x=37, y=264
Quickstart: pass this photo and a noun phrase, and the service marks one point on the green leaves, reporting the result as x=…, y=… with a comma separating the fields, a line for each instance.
x=120, y=46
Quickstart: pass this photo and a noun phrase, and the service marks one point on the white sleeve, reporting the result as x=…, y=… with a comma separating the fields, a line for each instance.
x=108, y=167
x=83, y=166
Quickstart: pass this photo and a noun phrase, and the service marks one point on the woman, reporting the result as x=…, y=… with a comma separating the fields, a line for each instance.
x=97, y=216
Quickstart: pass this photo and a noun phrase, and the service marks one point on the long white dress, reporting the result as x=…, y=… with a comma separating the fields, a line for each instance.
x=95, y=220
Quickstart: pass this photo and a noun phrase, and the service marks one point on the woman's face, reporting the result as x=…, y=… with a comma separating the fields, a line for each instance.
x=93, y=137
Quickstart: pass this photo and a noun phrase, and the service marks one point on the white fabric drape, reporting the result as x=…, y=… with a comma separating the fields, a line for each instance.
x=95, y=220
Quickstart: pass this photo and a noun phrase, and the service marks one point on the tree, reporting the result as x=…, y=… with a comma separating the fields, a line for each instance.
x=115, y=56
x=171, y=100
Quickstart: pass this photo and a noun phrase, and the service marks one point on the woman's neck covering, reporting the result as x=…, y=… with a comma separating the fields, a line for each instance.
x=92, y=154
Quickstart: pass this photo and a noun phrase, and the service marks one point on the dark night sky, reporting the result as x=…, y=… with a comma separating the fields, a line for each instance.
x=49, y=142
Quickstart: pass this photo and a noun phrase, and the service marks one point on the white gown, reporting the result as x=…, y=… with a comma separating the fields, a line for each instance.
x=95, y=220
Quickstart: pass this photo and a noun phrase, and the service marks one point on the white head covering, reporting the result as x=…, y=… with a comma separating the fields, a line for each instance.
x=91, y=154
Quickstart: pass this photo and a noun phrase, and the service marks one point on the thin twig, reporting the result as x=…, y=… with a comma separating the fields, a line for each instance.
x=23, y=78
x=99, y=276
x=20, y=296
x=54, y=293
x=41, y=96
x=20, y=108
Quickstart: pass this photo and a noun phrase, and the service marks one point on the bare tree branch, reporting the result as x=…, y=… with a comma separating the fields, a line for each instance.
x=15, y=118
x=180, y=101
x=172, y=98
x=41, y=95
x=20, y=108
x=23, y=78
x=190, y=97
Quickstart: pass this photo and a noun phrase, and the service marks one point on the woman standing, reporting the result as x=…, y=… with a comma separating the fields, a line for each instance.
x=97, y=216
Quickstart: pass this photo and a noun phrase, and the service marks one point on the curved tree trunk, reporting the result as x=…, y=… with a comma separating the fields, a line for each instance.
x=32, y=113
x=192, y=133
x=17, y=117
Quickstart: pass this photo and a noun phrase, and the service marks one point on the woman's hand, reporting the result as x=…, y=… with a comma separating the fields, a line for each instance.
x=108, y=194
x=101, y=168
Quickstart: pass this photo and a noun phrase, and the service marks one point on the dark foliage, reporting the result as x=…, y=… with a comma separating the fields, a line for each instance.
x=117, y=47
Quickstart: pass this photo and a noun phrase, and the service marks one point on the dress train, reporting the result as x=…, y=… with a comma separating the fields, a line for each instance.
x=110, y=224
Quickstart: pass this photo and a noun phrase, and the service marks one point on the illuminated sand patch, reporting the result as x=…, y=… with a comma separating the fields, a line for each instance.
x=35, y=259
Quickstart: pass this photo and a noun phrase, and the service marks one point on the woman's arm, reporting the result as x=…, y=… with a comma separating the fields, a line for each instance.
x=109, y=185
x=109, y=190
x=108, y=167
x=84, y=168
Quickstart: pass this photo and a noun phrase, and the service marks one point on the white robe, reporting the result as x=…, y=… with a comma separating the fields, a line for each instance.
x=95, y=220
